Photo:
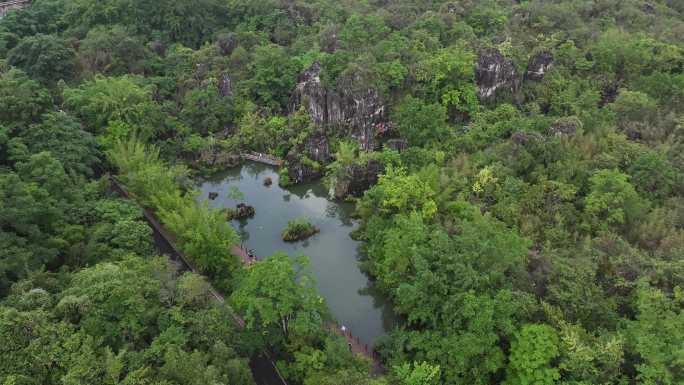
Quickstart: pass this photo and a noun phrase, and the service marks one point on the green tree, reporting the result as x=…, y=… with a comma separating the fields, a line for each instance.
x=107, y=100
x=417, y=374
x=22, y=100
x=447, y=77
x=420, y=123
x=62, y=136
x=278, y=298
x=654, y=176
x=46, y=58
x=532, y=353
x=612, y=200
x=111, y=50
x=656, y=335
x=360, y=31
x=273, y=76
x=206, y=111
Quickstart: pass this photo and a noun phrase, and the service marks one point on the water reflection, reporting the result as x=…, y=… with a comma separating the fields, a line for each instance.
x=333, y=255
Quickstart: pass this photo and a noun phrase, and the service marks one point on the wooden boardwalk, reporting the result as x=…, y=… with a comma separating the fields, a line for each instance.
x=263, y=158
x=170, y=240
x=357, y=347
x=353, y=342
x=243, y=254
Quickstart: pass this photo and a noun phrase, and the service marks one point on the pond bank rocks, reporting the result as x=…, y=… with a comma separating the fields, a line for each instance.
x=358, y=179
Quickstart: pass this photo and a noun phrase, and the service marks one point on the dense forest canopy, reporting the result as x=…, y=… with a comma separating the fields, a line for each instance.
x=517, y=167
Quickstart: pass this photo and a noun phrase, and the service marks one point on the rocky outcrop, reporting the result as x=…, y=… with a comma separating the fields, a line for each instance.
x=225, y=85
x=538, y=66
x=397, y=144
x=306, y=162
x=347, y=112
x=241, y=211
x=495, y=73
x=300, y=171
x=226, y=44
x=358, y=179
x=566, y=126
x=521, y=138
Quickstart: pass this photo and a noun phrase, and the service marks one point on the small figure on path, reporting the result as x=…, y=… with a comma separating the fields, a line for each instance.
x=350, y=346
x=344, y=329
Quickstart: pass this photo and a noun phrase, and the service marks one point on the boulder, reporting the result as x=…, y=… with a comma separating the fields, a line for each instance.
x=242, y=210
x=538, y=66
x=358, y=179
x=495, y=73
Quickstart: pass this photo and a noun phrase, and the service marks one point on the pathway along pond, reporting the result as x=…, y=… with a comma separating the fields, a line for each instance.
x=332, y=253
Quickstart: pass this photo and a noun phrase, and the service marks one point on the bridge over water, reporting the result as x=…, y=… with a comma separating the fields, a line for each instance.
x=12, y=5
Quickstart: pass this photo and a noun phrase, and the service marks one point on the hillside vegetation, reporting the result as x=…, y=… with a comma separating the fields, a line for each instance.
x=518, y=170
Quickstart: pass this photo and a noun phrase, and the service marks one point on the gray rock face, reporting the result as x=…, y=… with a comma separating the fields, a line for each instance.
x=310, y=93
x=538, y=66
x=494, y=73
x=225, y=85
x=359, y=179
x=317, y=148
x=351, y=113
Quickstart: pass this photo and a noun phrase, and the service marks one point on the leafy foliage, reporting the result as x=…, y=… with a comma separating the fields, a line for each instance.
x=534, y=238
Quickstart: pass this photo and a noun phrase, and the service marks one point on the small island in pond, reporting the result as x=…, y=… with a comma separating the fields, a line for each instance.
x=298, y=229
x=240, y=211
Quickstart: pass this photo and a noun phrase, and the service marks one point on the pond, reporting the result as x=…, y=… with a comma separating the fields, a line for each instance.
x=333, y=255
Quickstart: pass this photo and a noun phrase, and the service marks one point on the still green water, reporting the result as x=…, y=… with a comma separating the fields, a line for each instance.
x=333, y=254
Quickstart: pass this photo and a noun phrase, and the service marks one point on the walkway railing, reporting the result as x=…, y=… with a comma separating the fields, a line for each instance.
x=170, y=240
x=357, y=347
